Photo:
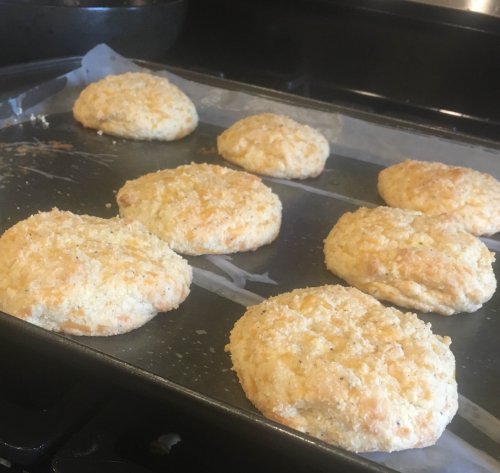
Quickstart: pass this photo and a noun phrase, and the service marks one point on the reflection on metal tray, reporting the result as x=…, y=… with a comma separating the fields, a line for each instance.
x=488, y=7
x=180, y=355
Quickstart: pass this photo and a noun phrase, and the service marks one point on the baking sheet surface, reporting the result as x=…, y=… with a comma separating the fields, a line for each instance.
x=75, y=169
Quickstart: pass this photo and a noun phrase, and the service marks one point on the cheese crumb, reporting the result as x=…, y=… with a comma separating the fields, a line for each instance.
x=108, y=206
x=45, y=123
x=99, y=132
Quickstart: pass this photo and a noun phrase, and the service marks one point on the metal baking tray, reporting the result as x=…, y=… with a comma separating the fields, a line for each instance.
x=179, y=356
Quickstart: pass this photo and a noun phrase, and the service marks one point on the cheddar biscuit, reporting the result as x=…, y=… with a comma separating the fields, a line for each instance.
x=138, y=106
x=275, y=145
x=336, y=364
x=203, y=209
x=84, y=275
x=424, y=262
x=435, y=188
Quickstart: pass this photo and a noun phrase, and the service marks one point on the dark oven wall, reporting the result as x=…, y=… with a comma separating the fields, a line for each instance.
x=430, y=64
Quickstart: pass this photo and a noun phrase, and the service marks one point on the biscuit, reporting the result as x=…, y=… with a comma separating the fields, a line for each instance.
x=435, y=188
x=138, y=106
x=203, y=209
x=336, y=364
x=275, y=145
x=88, y=276
x=424, y=262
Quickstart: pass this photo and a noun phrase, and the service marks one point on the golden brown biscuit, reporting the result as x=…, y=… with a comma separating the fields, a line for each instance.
x=203, y=209
x=336, y=364
x=435, y=188
x=138, y=106
x=275, y=145
x=88, y=276
x=429, y=263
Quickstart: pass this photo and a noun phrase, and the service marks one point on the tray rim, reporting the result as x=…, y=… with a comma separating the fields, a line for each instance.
x=320, y=453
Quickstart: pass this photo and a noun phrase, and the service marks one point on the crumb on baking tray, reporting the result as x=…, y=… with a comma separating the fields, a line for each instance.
x=40, y=118
x=45, y=123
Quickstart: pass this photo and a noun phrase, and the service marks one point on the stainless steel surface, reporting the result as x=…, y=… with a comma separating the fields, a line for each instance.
x=488, y=7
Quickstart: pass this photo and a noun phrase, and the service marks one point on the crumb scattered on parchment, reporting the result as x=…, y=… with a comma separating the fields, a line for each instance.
x=99, y=132
x=108, y=206
x=114, y=142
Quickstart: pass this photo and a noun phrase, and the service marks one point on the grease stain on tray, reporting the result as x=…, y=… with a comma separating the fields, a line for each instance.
x=17, y=159
x=205, y=150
